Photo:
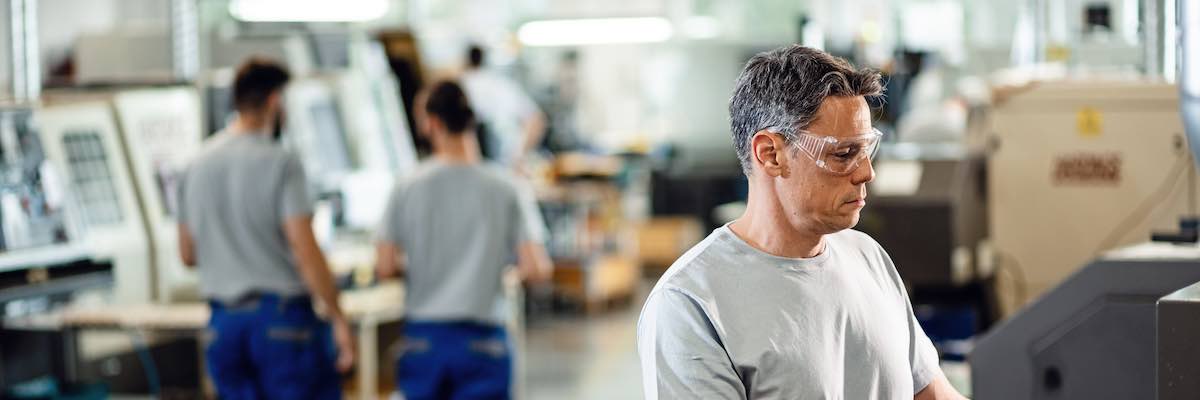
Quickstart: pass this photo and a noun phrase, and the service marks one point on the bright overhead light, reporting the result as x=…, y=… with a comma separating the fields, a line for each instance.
x=570, y=32
x=307, y=10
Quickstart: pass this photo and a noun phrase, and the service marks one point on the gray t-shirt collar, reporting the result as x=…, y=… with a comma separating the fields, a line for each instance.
x=754, y=256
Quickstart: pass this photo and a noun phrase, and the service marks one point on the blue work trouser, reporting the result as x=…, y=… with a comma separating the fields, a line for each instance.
x=454, y=360
x=271, y=348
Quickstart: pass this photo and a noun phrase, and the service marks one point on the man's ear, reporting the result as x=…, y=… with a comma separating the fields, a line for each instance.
x=432, y=126
x=274, y=101
x=767, y=153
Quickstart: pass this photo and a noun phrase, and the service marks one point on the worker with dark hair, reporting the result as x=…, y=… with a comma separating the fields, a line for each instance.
x=245, y=224
x=514, y=123
x=452, y=228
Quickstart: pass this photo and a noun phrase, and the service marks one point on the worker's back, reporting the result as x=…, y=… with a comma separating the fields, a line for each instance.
x=459, y=225
x=235, y=197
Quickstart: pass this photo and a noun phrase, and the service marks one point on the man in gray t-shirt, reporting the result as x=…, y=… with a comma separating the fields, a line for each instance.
x=245, y=224
x=787, y=302
x=452, y=228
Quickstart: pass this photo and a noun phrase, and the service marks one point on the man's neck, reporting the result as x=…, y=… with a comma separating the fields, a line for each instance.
x=764, y=226
x=457, y=149
x=251, y=124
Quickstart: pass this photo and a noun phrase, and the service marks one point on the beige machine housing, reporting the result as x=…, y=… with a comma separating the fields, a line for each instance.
x=1079, y=168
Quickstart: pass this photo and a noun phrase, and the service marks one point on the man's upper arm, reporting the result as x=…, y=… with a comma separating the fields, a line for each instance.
x=923, y=356
x=529, y=227
x=187, y=247
x=294, y=199
x=925, y=368
x=939, y=389
x=681, y=355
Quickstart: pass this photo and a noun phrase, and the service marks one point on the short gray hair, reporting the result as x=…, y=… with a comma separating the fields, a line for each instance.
x=784, y=88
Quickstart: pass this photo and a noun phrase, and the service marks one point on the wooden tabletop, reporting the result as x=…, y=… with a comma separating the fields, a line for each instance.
x=382, y=302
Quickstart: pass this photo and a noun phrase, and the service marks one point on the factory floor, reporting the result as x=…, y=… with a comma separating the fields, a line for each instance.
x=585, y=357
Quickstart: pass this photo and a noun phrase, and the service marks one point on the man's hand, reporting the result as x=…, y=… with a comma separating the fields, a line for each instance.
x=388, y=259
x=343, y=336
x=310, y=262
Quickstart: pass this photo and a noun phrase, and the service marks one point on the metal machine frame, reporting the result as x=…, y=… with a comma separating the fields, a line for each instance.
x=118, y=233
x=1092, y=337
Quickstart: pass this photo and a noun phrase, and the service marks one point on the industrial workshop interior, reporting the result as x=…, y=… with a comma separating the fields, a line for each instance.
x=599, y=199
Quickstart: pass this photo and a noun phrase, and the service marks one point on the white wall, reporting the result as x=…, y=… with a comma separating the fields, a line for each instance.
x=5, y=72
x=61, y=22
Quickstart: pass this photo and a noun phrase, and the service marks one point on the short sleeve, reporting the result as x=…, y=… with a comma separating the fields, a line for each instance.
x=923, y=357
x=925, y=366
x=522, y=104
x=680, y=352
x=390, y=225
x=294, y=197
x=528, y=225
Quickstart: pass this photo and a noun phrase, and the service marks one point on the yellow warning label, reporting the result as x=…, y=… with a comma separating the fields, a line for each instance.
x=1089, y=122
x=1058, y=53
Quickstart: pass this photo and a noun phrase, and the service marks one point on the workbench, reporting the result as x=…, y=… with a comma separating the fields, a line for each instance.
x=368, y=309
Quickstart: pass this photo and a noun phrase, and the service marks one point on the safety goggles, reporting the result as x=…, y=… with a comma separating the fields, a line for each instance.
x=838, y=155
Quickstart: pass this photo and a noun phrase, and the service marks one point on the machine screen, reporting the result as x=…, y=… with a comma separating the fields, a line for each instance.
x=330, y=139
x=91, y=178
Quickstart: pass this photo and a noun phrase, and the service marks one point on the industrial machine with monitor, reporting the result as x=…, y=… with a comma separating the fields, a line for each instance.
x=155, y=131
x=370, y=100
x=1124, y=326
x=83, y=144
x=349, y=126
x=375, y=123
x=1080, y=167
x=314, y=128
x=44, y=256
x=161, y=129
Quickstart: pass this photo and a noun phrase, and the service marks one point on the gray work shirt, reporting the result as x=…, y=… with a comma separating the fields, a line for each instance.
x=234, y=197
x=459, y=226
x=729, y=321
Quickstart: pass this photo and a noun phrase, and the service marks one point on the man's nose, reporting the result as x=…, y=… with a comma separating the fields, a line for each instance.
x=865, y=173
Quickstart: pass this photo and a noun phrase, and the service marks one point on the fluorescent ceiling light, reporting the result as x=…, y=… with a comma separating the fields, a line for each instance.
x=570, y=32
x=307, y=10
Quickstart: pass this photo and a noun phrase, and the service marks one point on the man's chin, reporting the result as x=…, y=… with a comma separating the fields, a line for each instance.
x=851, y=220
x=842, y=222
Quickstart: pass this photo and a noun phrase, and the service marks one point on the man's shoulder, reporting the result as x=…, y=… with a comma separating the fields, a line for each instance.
x=855, y=239
x=494, y=180
x=423, y=171
x=225, y=147
x=702, y=263
x=503, y=179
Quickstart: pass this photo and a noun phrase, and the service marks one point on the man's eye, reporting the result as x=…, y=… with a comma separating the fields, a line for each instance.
x=846, y=152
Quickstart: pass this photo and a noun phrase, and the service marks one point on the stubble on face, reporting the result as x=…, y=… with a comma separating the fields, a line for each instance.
x=822, y=202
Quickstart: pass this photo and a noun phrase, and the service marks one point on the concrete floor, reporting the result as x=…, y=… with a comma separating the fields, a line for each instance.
x=585, y=357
